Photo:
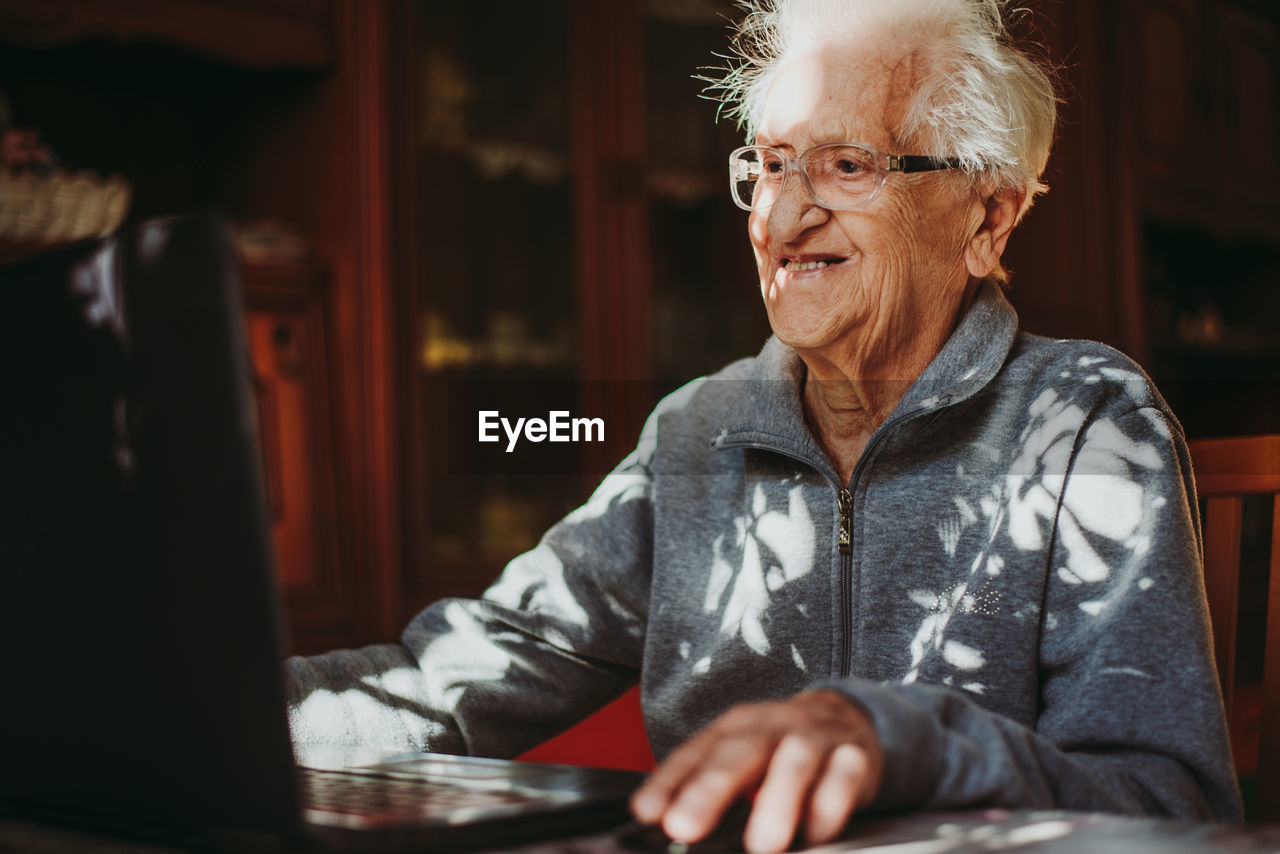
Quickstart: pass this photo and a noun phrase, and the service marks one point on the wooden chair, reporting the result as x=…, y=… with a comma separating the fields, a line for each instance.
x=1226, y=470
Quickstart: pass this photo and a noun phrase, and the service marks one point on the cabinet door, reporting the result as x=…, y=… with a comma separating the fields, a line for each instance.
x=490, y=303
x=569, y=243
x=568, y=239
x=1168, y=62
x=1249, y=165
x=707, y=309
x=286, y=327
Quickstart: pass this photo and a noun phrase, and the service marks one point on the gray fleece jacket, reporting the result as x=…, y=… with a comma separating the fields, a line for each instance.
x=1010, y=585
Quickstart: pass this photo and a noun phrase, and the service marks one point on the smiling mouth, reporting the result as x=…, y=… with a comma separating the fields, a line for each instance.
x=805, y=266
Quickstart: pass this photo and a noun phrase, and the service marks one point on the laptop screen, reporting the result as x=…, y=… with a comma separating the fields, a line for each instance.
x=137, y=613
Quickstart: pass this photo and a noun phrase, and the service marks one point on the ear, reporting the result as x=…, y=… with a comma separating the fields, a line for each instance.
x=982, y=255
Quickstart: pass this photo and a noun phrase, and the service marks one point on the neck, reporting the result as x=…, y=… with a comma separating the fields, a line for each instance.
x=844, y=407
x=850, y=388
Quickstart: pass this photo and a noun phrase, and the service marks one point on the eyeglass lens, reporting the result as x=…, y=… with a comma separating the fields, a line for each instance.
x=840, y=176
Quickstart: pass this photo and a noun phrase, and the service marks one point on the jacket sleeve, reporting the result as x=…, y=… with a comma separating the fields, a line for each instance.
x=558, y=634
x=1130, y=712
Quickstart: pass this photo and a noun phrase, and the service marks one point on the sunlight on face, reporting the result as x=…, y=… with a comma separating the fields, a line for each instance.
x=894, y=274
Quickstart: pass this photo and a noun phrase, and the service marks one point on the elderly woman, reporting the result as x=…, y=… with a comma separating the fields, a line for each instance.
x=906, y=556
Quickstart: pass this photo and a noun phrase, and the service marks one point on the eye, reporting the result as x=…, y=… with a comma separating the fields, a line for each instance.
x=772, y=165
x=842, y=163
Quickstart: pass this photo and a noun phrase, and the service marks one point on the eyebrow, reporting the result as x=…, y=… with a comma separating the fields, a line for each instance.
x=765, y=141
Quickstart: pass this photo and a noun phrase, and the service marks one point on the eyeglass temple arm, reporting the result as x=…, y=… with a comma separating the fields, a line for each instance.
x=921, y=163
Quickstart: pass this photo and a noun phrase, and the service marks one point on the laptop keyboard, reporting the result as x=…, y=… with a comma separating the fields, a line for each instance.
x=340, y=797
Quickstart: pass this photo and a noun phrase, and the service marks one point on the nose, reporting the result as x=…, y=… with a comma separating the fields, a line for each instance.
x=794, y=211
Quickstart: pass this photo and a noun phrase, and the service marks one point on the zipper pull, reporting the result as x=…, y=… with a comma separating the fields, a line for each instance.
x=845, y=540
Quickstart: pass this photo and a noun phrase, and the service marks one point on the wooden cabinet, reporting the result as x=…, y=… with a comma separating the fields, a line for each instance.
x=260, y=110
x=1201, y=79
x=488, y=305
x=1248, y=47
x=1200, y=211
x=270, y=33
x=1161, y=234
x=567, y=242
x=566, y=237
x=287, y=320
x=532, y=199
x=1170, y=68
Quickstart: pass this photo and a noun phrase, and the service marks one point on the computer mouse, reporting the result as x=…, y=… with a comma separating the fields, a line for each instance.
x=726, y=837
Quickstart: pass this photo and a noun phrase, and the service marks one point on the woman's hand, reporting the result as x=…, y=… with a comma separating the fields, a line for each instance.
x=810, y=760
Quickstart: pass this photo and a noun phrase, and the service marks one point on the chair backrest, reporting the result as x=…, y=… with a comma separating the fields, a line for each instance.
x=1227, y=470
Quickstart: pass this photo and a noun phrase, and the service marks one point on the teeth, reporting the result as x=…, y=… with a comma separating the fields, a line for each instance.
x=808, y=265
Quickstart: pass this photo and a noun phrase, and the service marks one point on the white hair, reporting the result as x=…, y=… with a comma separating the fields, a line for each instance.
x=980, y=100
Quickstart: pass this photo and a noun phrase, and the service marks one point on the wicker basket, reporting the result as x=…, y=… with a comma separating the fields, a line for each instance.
x=51, y=208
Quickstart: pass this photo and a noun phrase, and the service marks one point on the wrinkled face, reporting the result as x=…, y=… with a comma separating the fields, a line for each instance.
x=892, y=274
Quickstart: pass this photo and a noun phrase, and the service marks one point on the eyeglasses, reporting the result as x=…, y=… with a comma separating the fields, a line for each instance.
x=839, y=176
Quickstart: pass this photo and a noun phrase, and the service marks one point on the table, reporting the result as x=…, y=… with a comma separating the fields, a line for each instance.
x=970, y=832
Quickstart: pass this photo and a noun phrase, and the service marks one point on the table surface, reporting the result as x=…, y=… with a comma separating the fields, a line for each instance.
x=1050, y=832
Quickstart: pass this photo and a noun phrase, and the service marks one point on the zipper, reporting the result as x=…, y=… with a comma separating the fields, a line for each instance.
x=844, y=539
x=845, y=544
x=844, y=535
x=846, y=614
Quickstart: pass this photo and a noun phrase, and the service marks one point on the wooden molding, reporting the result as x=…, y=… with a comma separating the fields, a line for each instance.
x=611, y=220
x=1236, y=466
x=260, y=37
x=363, y=29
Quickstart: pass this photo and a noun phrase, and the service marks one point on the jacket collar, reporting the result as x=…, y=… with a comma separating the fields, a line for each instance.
x=767, y=411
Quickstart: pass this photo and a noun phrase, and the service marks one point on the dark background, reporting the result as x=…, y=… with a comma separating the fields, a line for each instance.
x=532, y=196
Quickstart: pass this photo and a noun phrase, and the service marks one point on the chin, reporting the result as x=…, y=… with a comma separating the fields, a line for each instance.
x=803, y=336
x=812, y=328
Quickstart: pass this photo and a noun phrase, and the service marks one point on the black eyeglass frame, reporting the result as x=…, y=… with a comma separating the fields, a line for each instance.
x=884, y=163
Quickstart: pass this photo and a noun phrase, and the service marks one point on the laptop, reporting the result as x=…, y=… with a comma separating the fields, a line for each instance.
x=138, y=612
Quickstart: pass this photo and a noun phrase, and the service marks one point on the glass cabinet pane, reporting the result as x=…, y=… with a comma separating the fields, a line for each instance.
x=493, y=262
x=706, y=303
x=510, y=133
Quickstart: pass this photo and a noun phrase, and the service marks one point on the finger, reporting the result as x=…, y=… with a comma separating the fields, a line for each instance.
x=654, y=796
x=732, y=767
x=779, y=804
x=844, y=785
